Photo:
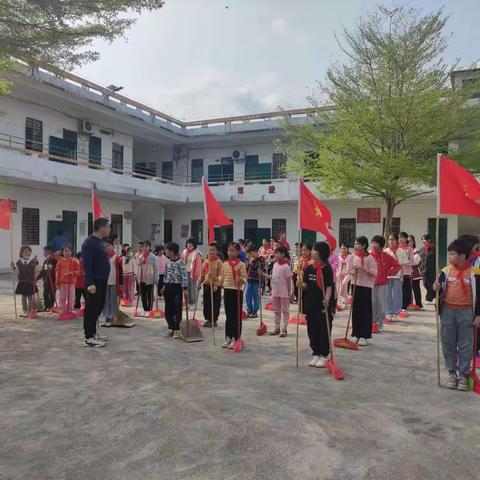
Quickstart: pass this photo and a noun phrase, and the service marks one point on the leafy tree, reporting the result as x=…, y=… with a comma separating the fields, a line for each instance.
x=394, y=110
x=57, y=33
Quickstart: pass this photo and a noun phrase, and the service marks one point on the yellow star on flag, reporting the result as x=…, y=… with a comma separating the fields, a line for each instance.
x=318, y=212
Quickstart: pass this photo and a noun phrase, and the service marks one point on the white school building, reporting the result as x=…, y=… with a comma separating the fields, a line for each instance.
x=61, y=136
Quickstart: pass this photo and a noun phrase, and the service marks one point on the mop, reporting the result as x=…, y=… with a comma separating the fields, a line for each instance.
x=345, y=342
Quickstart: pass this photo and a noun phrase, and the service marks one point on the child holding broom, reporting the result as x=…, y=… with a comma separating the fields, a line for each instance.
x=26, y=271
x=459, y=286
x=67, y=271
x=314, y=279
x=47, y=274
x=211, y=277
x=234, y=276
x=364, y=267
x=394, y=292
x=255, y=268
x=114, y=284
x=342, y=273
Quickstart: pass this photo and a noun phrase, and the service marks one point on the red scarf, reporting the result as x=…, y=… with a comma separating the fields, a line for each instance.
x=473, y=255
x=362, y=254
x=394, y=250
x=460, y=277
x=427, y=245
x=282, y=261
x=319, y=273
x=305, y=261
x=344, y=255
x=233, y=264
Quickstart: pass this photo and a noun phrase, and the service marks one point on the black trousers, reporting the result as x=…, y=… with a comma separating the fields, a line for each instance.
x=207, y=303
x=406, y=291
x=233, y=301
x=48, y=293
x=428, y=281
x=417, y=292
x=362, y=312
x=94, y=304
x=173, y=305
x=317, y=331
x=147, y=296
x=160, y=284
x=78, y=297
x=295, y=288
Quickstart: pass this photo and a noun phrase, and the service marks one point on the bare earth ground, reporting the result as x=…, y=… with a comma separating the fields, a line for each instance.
x=147, y=407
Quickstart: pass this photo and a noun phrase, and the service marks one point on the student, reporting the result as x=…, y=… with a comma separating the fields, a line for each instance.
x=243, y=253
x=193, y=260
x=255, y=267
x=114, y=282
x=266, y=252
x=211, y=277
x=79, y=282
x=428, y=266
x=459, y=285
x=281, y=279
x=416, y=273
x=67, y=271
x=296, y=268
x=386, y=266
x=343, y=276
x=363, y=267
x=316, y=278
x=394, y=293
x=473, y=242
x=234, y=276
x=162, y=261
x=407, y=271
x=130, y=270
x=175, y=282
x=47, y=274
x=148, y=272
x=26, y=286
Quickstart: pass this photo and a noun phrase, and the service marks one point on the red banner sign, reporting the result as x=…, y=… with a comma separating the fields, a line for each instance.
x=368, y=215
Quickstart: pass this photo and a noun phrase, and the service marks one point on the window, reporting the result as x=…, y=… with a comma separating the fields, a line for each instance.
x=167, y=170
x=197, y=170
x=33, y=134
x=117, y=157
x=197, y=230
x=395, y=225
x=116, y=225
x=250, y=230
x=167, y=231
x=146, y=168
x=31, y=226
x=255, y=170
x=279, y=226
x=65, y=147
x=347, y=231
x=279, y=164
x=95, y=151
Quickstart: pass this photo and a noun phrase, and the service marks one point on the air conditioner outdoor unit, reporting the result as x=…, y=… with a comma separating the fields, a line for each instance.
x=86, y=126
x=238, y=156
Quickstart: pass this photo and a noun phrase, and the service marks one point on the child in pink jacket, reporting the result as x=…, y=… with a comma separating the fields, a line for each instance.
x=193, y=260
x=363, y=269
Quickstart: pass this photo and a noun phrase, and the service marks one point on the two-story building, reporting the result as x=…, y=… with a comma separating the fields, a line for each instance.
x=61, y=136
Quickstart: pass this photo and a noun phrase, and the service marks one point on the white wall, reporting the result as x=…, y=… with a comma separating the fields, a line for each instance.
x=12, y=122
x=51, y=205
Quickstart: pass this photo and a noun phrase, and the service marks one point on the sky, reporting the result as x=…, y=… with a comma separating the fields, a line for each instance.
x=197, y=59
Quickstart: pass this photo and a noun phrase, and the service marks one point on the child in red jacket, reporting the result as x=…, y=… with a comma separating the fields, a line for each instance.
x=67, y=270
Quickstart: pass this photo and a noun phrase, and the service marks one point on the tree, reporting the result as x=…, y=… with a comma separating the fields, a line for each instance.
x=57, y=33
x=393, y=110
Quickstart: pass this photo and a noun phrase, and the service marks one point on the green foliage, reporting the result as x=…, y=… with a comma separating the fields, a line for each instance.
x=394, y=111
x=57, y=33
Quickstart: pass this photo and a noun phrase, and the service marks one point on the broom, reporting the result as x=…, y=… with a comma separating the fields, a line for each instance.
x=194, y=319
x=262, y=327
x=474, y=381
x=156, y=313
x=332, y=367
x=239, y=344
x=345, y=342
x=53, y=289
x=139, y=293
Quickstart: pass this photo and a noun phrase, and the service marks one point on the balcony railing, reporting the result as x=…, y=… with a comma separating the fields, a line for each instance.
x=71, y=156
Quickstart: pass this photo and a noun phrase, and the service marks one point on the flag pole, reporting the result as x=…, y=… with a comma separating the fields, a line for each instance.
x=300, y=273
x=437, y=268
x=11, y=259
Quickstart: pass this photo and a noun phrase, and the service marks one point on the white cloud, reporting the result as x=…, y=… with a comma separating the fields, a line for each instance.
x=279, y=25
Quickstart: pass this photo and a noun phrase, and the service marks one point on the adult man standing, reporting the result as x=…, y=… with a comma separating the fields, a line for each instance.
x=97, y=270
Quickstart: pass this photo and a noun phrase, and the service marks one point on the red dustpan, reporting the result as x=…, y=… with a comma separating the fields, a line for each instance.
x=299, y=318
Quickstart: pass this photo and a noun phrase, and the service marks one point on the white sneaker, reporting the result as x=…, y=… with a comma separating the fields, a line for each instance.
x=313, y=361
x=232, y=344
x=168, y=334
x=176, y=334
x=92, y=342
x=354, y=339
x=363, y=342
x=380, y=327
x=101, y=338
x=322, y=362
x=227, y=343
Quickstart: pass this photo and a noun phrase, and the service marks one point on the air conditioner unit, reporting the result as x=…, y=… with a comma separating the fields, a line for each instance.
x=238, y=156
x=86, y=126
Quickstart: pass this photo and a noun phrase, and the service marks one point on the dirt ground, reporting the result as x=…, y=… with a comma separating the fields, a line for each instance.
x=146, y=407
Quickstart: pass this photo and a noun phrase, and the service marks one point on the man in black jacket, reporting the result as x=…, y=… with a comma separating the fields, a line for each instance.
x=97, y=270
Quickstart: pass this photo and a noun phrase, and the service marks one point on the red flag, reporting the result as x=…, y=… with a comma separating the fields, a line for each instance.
x=5, y=215
x=96, y=208
x=314, y=215
x=214, y=213
x=458, y=190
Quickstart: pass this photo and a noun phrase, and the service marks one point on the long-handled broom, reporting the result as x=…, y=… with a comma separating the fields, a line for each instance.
x=474, y=381
x=345, y=342
x=33, y=311
x=262, y=327
x=194, y=319
x=157, y=313
x=239, y=344
x=332, y=367
x=139, y=293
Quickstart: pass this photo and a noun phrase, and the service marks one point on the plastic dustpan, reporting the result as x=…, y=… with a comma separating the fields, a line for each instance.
x=122, y=320
x=155, y=314
x=66, y=316
x=190, y=331
x=300, y=319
